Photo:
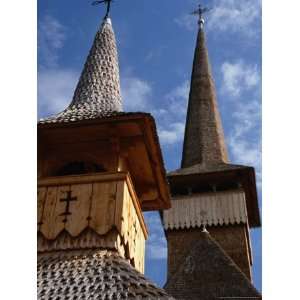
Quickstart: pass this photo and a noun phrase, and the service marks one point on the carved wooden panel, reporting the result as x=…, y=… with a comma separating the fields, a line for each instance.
x=219, y=208
x=41, y=197
x=103, y=206
x=52, y=222
x=79, y=217
x=99, y=202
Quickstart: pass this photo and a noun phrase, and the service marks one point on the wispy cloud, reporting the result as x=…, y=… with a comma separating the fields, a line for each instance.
x=241, y=82
x=51, y=38
x=55, y=90
x=136, y=93
x=186, y=21
x=171, y=115
x=245, y=136
x=234, y=15
x=155, y=52
x=55, y=85
x=171, y=133
x=248, y=153
x=156, y=244
x=177, y=98
x=239, y=76
x=227, y=15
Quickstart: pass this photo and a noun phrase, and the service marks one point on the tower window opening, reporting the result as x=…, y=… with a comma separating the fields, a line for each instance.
x=79, y=167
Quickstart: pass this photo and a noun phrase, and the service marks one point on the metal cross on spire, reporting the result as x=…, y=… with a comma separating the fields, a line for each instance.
x=107, y=2
x=200, y=11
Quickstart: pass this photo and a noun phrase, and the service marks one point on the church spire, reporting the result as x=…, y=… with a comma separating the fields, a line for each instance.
x=97, y=93
x=204, y=138
x=99, y=83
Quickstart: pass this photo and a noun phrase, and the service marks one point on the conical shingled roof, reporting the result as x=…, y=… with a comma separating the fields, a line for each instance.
x=204, y=138
x=208, y=273
x=98, y=90
x=92, y=274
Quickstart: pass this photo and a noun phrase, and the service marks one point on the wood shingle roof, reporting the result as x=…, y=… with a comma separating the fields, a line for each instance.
x=98, y=90
x=204, y=138
x=208, y=273
x=92, y=274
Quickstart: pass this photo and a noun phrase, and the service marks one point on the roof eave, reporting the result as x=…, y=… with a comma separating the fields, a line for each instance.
x=152, y=144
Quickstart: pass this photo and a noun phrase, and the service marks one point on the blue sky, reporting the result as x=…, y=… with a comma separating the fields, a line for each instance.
x=156, y=41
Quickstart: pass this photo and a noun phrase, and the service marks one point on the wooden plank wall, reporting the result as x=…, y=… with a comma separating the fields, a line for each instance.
x=99, y=205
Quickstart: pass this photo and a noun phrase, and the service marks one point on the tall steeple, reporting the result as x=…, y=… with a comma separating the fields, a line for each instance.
x=204, y=138
x=208, y=192
x=98, y=90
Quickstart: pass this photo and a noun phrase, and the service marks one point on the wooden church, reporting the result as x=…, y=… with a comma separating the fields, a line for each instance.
x=99, y=168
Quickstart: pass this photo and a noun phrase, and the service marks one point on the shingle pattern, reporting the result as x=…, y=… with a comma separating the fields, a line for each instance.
x=206, y=168
x=92, y=274
x=204, y=138
x=98, y=90
x=208, y=273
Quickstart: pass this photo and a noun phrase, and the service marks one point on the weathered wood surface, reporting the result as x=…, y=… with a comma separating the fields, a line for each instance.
x=41, y=197
x=103, y=207
x=52, y=222
x=80, y=211
x=219, y=208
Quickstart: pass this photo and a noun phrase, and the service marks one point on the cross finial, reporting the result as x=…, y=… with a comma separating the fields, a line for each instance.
x=107, y=2
x=200, y=11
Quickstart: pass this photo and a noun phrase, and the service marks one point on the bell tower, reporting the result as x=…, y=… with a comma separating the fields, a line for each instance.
x=208, y=191
x=98, y=168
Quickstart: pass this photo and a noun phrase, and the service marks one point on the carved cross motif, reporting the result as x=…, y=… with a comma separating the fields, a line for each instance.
x=68, y=199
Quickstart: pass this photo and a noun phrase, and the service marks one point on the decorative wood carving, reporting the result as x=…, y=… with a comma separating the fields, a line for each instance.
x=71, y=207
x=211, y=209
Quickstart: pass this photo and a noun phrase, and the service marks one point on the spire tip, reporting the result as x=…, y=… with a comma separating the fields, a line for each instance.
x=201, y=23
x=107, y=20
x=199, y=12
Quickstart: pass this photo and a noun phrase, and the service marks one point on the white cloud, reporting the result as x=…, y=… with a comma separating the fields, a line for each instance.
x=51, y=37
x=245, y=137
x=156, y=247
x=137, y=96
x=171, y=116
x=171, y=133
x=234, y=15
x=155, y=53
x=239, y=76
x=157, y=250
x=55, y=90
x=135, y=93
x=55, y=85
x=247, y=153
x=175, y=104
x=186, y=21
x=177, y=99
x=227, y=15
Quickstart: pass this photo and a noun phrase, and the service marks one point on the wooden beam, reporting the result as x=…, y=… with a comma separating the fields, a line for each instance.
x=78, y=179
